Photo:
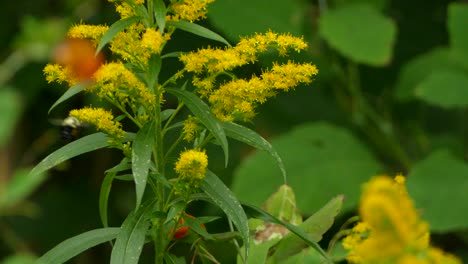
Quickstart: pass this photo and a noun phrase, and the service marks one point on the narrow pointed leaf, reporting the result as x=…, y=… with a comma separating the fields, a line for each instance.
x=255, y=212
x=220, y=195
x=104, y=196
x=115, y=28
x=19, y=187
x=130, y=241
x=198, y=30
x=75, y=245
x=75, y=89
x=202, y=111
x=83, y=145
x=154, y=69
x=250, y=137
x=141, y=158
x=160, y=14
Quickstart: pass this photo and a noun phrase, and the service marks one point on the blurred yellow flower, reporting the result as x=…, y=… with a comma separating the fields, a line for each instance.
x=391, y=230
x=101, y=118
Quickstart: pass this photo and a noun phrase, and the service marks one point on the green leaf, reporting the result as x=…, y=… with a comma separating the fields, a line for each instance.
x=197, y=30
x=116, y=28
x=322, y=161
x=75, y=245
x=457, y=25
x=154, y=69
x=418, y=69
x=315, y=226
x=203, y=112
x=175, y=54
x=106, y=186
x=250, y=137
x=255, y=212
x=75, y=89
x=445, y=88
x=282, y=204
x=258, y=16
x=11, y=108
x=220, y=195
x=438, y=185
x=141, y=158
x=80, y=146
x=160, y=14
x=19, y=187
x=130, y=241
x=20, y=258
x=195, y=225
x=360, y=33
x=166, y=114
x=172, y=259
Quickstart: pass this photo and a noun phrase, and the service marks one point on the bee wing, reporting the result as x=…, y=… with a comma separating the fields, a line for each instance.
x=56, y=121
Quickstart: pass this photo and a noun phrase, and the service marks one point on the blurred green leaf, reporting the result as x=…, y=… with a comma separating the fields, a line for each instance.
x=160, y=14
x=220, y=195
x=421, y=67
x=250, y=137
x=10, y=109
x=75, y=89
x=438, y=185
x=141, y=158
x=457, y=26
x=114, y=29
x=259, y=251
x=203, y=112
x=282, y=204
x=77, y=244
x=19, y=187
x=131, y=238
x=243, y=17
x=20, y=259
x=360, y=33
x=172, y=259
x=315, y=226
x=322, y=161
x=445, y=89
x=377, y=4
x=198, y=30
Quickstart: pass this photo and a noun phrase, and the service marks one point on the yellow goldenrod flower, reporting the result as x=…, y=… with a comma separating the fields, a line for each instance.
x=125, y=10
x=391, y=230
x=192, y=165
x=190, y=128
x=82, y=31
x=153, y=41
x=102, y=119
x=237, y=98
x=59, y=74
x=115, y=82
x=190, y=10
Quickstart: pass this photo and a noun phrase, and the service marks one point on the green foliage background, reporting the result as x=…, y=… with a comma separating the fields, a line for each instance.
x=391, y=97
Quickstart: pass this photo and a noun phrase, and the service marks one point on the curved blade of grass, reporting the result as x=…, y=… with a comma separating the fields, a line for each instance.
x=77, y=244
x=198, y=30
x=130, y=240
x=250, y=137
x=202, y=111
x=255, y=212
x=114, y=29
x=141, y=158
x=75, y=89
x=220, y=195
x=83, y=145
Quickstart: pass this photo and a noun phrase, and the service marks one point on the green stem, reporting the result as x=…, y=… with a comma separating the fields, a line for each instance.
x=168, y=122
x=151, y=11
x=121, y=108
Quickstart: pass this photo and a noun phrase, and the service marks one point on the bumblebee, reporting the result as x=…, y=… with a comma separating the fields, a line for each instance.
x=70, y=128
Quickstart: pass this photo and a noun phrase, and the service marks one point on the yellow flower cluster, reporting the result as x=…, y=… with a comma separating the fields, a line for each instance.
x=102, y=119
x=218, y=60
x=190, y=10
x=237, y=99
x=115, y=81
x=136, y=43
x=391, y=230
x=192, y=165
x=190, y=128
x=83, y=31
x=59, y=74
